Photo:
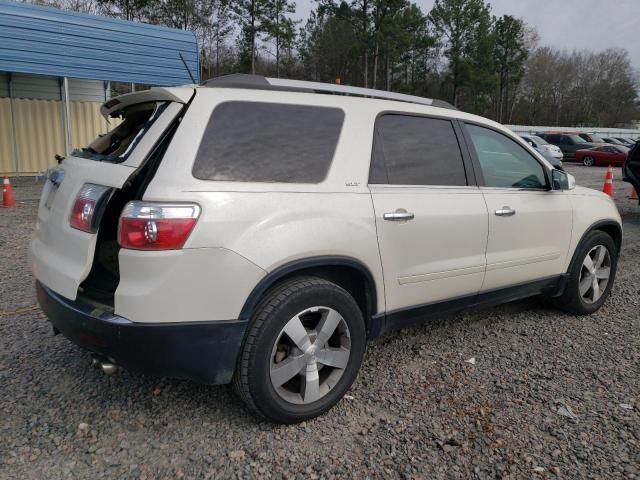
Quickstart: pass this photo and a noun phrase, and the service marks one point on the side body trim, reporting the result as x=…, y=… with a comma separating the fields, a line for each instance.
x=421, y=314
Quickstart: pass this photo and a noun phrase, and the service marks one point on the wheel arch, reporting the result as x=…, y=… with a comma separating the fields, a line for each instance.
x=610, y=227
x=346, y=272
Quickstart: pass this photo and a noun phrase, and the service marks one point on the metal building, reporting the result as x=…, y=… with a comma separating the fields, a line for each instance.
x=55, y=70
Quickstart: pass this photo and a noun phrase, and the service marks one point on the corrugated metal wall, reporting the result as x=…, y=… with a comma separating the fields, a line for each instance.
x=39, y=120
x=40, y=132
x=48, y=41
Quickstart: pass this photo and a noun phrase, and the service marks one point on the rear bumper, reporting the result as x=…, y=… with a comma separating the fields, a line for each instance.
x=202, y=351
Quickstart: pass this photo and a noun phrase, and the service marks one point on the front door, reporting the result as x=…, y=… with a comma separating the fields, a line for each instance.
x=431, y=220
x=529, y=224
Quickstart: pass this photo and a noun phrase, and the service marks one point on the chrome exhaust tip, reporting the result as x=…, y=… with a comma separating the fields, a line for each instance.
x=106, y=366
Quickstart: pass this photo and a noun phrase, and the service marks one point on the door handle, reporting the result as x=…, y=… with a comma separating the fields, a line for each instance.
x=399, y=215
x=505, y=212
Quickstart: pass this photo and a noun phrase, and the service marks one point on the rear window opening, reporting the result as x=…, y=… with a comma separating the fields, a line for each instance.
x=116, y=145
x=99, y=288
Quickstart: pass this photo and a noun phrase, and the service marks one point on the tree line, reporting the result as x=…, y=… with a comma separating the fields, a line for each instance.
x=458, y=51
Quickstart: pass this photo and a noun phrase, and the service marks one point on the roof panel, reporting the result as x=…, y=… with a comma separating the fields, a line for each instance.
x=47, y=41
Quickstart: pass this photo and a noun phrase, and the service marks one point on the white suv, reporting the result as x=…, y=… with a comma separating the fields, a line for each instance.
x=261, y=231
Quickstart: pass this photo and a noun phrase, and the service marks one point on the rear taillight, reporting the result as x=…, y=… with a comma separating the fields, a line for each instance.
x=88, y=207
x=156, y=226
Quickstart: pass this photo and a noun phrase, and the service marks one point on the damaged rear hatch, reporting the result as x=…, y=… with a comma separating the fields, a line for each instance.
x=78, y=192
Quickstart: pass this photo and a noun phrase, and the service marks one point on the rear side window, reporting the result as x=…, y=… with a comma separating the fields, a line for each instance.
x=268, y=142
x=410, y=150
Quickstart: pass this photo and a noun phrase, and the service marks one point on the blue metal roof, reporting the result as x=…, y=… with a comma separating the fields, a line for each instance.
x=48, y=41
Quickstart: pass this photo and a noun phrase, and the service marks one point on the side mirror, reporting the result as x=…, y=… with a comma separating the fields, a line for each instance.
x=530, y=143
x=562, y=180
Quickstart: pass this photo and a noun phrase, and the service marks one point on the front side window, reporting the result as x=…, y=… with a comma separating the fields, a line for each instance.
x=268, y=142
x=412, y=150
x=504, y=163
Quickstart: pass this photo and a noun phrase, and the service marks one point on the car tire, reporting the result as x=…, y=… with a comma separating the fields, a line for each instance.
x=578, y=297
x=275, y=348
x=589, y=161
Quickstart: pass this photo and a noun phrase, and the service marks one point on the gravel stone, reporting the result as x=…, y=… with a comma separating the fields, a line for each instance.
x=417, y=410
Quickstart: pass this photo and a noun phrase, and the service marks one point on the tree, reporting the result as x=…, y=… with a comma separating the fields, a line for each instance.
x=127, y=9
x=407, y=46
x=328, y=46
x=221, y=27
x=463, y=29
x=278, y=27
x=250, y=15
x=510, y=56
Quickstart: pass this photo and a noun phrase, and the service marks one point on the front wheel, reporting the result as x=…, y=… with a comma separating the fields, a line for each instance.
x=592, y=274
x=302, y=352
x=589, y=161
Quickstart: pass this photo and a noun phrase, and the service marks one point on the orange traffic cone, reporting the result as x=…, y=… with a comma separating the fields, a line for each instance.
x=633, y=195
x=608, y=182
x=8, y=200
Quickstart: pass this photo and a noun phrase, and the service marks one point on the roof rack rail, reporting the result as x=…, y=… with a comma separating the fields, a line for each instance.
x=241, y=80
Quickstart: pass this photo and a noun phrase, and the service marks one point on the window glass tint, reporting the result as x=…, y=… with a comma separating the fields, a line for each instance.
x=416, y=151
x=504, y=163
x=268, y=142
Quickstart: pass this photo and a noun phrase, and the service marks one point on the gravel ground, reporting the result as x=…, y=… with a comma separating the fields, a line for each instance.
x=550, y=395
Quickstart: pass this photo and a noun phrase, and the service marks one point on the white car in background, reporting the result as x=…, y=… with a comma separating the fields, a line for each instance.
x=547, y=150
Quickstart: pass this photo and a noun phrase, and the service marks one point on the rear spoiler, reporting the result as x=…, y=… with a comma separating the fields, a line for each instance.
x=156, y=94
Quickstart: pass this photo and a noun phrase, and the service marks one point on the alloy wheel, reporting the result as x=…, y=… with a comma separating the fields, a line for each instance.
x=589, y=161
x=594, y=274
x=310, y=355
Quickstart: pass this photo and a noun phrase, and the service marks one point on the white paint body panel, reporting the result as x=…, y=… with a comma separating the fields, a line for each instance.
x=533, y=243
x=188, y=285
x=455, y=246
x=440, y=253
x=62, y=256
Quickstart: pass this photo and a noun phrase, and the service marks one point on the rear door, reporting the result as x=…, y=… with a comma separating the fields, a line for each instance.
x=631, y=168
x=529, y=224
x=431, y=218
x=62, y=255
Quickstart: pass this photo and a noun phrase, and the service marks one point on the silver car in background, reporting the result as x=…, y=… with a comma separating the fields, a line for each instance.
x=551, y=152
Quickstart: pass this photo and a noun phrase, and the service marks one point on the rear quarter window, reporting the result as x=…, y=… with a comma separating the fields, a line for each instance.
x=268, y=142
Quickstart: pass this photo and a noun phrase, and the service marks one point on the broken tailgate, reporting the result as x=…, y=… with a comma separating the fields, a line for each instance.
x=62, y=248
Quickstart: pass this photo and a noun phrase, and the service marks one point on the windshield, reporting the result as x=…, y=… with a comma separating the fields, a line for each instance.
x=132, y=123
x=596, y=138
x=577, y=139
x=539, y=140
x=622, y=148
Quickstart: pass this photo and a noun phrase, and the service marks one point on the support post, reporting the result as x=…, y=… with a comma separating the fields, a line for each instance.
x=67, y=115
x=14, y=139
x=107, y=96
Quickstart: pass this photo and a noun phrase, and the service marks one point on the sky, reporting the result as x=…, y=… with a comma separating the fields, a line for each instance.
x=564, y=24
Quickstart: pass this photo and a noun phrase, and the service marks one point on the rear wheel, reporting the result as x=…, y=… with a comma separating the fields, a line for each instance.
x=592, y=274
x=589, y=161
x=303, y=351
